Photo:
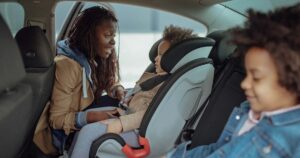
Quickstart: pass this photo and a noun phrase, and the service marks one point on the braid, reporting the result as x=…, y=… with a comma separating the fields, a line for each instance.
x=82, y=36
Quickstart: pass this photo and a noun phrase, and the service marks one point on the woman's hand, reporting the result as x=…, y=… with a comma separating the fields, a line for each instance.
x=113, y=126
x=94, y=116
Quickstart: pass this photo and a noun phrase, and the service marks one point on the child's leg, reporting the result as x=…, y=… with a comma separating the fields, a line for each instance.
x=86, y=136
x=91, y=132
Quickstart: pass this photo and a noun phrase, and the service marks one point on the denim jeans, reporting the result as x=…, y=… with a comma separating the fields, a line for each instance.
x=62, y=141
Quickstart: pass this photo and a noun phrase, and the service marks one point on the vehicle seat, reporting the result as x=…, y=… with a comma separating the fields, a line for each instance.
x=40, y=68
x=226, y=93
x=187, y=87
x=39, y=65
x=15, y=98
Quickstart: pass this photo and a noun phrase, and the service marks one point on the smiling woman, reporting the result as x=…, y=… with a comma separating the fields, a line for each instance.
x=86, y=66
x=105, y=34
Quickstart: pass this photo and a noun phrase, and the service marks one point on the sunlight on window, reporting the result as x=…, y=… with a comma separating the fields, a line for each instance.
x=134, y=58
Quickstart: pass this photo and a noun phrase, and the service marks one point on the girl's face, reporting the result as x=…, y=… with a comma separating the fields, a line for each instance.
x=261, y=84
x=105, y=34
x=161, y=49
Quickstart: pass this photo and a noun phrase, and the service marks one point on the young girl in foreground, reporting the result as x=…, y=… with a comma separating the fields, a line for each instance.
x=268, y=123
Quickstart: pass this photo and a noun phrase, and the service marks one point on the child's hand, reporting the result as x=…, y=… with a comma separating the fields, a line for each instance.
x=119, y=93
x=113, y=125
x=126, y=100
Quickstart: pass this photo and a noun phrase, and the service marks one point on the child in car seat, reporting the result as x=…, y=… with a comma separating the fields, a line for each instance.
x=131, y=119
x=268, y=123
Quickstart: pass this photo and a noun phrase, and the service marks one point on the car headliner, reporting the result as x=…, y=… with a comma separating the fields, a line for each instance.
x=214, y=14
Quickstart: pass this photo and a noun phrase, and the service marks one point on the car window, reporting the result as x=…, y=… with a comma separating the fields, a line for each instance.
x=62, y=11
x=13, y=14
x=139, y=29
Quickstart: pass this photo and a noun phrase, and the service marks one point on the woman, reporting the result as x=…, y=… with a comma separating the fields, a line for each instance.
x=86, y=66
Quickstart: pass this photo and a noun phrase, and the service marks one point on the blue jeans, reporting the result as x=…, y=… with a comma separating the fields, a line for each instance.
x=62, y=141
x=90, y=132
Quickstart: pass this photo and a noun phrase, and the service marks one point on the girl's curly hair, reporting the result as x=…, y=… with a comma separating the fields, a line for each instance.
x=278, y=32
x=175, y=34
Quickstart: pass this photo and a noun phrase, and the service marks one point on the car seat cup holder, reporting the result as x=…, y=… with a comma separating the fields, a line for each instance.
x=137, y=153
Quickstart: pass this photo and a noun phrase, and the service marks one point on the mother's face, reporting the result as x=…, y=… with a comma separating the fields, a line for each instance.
x=105, y=34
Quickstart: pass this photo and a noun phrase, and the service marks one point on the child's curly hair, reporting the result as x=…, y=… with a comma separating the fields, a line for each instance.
x=279, y=33
x=175, y=34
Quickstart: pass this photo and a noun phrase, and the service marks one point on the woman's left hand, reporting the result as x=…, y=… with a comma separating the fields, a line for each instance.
x=113, y=125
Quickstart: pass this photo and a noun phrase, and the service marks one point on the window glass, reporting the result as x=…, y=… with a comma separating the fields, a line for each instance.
x=62, y=11
x=13, y=14
x=140, y=28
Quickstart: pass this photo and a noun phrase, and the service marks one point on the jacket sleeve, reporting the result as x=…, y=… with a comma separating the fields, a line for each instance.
x=67, y=78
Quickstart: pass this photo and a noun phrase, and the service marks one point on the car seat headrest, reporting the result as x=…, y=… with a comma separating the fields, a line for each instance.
x=153, y=51
x=184, y=52
x=223, y=47
x=11, y=65
x=35, y=48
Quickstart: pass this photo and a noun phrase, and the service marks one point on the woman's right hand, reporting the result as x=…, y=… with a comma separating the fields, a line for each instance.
x=94, y=116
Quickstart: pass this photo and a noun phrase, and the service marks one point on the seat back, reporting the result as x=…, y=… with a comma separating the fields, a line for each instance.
x=39, y=65
x=226, y=93
x=15, y=97
x=40, y=68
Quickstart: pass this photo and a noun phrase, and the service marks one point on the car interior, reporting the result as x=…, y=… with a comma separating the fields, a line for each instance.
x=193, y=104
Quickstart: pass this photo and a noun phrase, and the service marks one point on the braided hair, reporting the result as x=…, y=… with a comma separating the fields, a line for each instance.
x=82, y=36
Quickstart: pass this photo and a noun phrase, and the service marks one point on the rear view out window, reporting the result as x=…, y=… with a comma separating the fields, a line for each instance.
x=13, y=14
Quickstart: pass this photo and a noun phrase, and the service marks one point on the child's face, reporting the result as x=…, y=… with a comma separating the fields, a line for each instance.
x=261, y=84
x=162, y=48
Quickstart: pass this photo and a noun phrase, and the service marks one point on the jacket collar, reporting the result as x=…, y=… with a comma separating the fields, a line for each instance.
x=286, y=118
x=64, y=49
x=279, y=119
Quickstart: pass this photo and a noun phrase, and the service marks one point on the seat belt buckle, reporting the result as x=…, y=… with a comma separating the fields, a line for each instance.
x=123, y=106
